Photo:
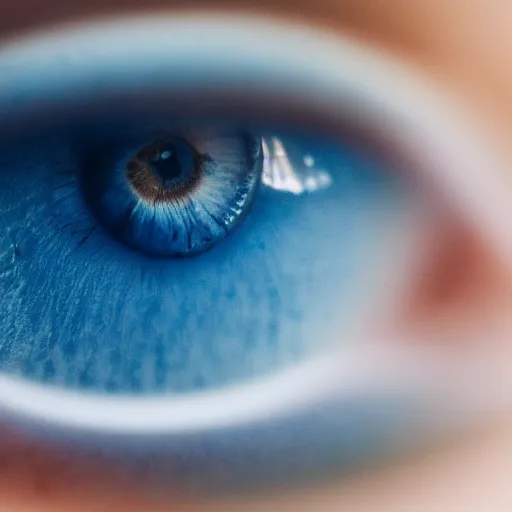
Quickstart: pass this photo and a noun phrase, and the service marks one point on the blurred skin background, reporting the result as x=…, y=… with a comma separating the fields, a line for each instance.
x=464, y=46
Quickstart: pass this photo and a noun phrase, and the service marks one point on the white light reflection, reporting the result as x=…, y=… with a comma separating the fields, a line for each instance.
x=309, y=161
x=280, y=172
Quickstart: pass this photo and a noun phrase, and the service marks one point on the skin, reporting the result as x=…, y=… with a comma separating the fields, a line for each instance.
x=463, y=46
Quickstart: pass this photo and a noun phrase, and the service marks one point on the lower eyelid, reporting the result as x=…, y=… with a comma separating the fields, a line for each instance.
x=41, y=476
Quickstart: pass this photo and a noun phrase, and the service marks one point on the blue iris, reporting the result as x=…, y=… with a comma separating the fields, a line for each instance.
x=81, y=309
x=164, y=197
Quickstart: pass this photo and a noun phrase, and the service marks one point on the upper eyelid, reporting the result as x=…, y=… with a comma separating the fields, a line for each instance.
x=76, y=58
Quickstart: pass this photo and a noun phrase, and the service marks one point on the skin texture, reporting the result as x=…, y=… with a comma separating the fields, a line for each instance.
x=465, y=47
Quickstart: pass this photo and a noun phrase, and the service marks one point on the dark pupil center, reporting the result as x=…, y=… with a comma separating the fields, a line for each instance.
x=171, y=161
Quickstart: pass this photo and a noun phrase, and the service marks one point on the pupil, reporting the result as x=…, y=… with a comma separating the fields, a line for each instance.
x=171, y=162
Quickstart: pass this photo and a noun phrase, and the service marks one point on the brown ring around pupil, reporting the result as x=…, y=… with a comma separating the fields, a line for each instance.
x=146, y=183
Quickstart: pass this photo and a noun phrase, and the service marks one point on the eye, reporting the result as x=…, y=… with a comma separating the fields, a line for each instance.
x=199, y=243
x=176, y=196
